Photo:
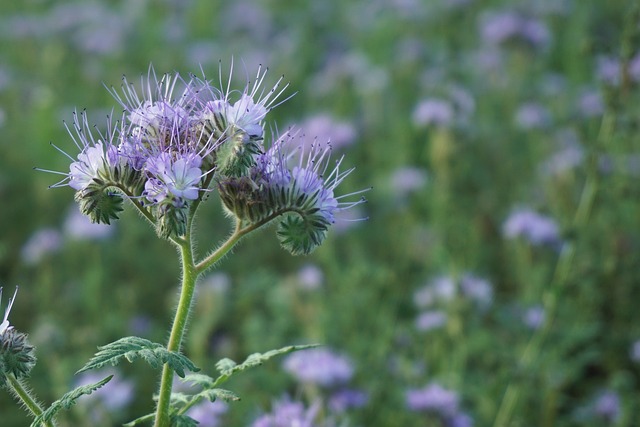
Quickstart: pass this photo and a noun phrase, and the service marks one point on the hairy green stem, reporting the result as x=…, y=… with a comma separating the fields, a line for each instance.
x=22, y=393
x=558, y=282
x=190, y=273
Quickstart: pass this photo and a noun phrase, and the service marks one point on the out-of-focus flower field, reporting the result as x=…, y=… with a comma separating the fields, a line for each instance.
x=495, y=283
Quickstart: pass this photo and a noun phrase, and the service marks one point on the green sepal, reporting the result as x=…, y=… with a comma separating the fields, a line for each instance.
x=67, y=400
x=99, y=202
x=131, y=348
x=17, y=356
x=301, y=235
x=172, y=221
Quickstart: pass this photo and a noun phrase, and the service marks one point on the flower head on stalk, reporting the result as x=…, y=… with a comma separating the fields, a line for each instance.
x=16, y=354
x=296, y=183
x=238, y=118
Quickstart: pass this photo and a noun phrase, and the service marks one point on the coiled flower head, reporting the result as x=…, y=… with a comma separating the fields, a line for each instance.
x=16, y=354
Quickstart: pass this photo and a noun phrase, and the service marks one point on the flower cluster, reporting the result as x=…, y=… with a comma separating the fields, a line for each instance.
x=172, y=146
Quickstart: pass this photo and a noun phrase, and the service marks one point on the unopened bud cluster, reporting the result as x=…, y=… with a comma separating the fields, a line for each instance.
x=17, y=356
x=171, y=147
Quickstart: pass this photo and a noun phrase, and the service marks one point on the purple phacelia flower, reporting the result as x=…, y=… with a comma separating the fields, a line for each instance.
x=310, y=277
x=433, y=398
x=345, y=399
x=429, y=320
x=532, y=116
x=634, y=352
x=536, y=228
x=324, y=127
x=477, y=289
x=207, y=413
x=41, y=243
x=607, y=406
x=433, y=111
x=406, y=180
x=534, y=317
x=504, y=26
x=288, y=413
x=319, y=366
x=79, y=227
x=177, y=179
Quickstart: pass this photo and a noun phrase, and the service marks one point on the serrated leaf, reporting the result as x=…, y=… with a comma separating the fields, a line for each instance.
x=131, y=348
x=68, y=400
x=225, y=364
x=255, y=359
x=219, y=393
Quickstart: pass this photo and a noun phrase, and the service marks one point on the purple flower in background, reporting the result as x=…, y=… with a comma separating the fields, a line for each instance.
x=534, y=317
x=532, y=116
x=537, y=229
x=477, y=289
x=41, y=243
x=609, y=70
x=345, y=399
x=634, y=352
x=433, y=398
x=310, y=277
x=319, y=366
x=113, y=398
x=288, y=413
x=570, y=154
x=429, y=320
x=218, y=282
x=407, y=180
x=207, y=413
x=504, y=26
x=324, y=127
x=591, y=104
x=607, y=406
x=79, y=227
x=433, y=111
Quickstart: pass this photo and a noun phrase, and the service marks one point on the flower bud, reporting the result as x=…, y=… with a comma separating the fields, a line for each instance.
x=16, y=354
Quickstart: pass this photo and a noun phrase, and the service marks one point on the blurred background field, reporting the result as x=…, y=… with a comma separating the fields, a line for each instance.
x=497, y=275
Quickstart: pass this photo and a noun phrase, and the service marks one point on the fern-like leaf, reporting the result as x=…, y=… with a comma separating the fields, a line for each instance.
x=228, y=367
x=68, y=400
x=131, y=348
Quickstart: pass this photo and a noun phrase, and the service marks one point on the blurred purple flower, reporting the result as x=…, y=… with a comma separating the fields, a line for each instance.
x=310, y=277
x=406, y=180
x=433, y=398
x=591, y=104
x=218, y=282
x=140, y=325
x=207, y=413
x=477, y=289
x=40, y=244
x=460, y=420
x=288, y=413
x=113, y=397
x=532, y=116
x=319, y=366
x=607, y=406
x=537, y=229
x=345, y=399
x=570, y=155
x=633, y=68
x=609, y=70
x=504, y=26
x=634, y=353
x=324, y=127
x=433, y=111
x=79, y=227
x=534, y=317
x=429, y=320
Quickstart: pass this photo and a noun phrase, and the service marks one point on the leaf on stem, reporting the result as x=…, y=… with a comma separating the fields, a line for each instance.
x=132, y=348
x=68, y=400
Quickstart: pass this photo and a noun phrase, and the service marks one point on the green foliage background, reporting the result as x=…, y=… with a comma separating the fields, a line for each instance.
x=367, y=63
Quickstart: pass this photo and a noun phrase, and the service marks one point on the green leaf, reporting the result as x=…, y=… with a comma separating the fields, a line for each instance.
x=227, y=369
x=219, y=394
x=183, y=421
x=132, y=348
x=68, y=400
